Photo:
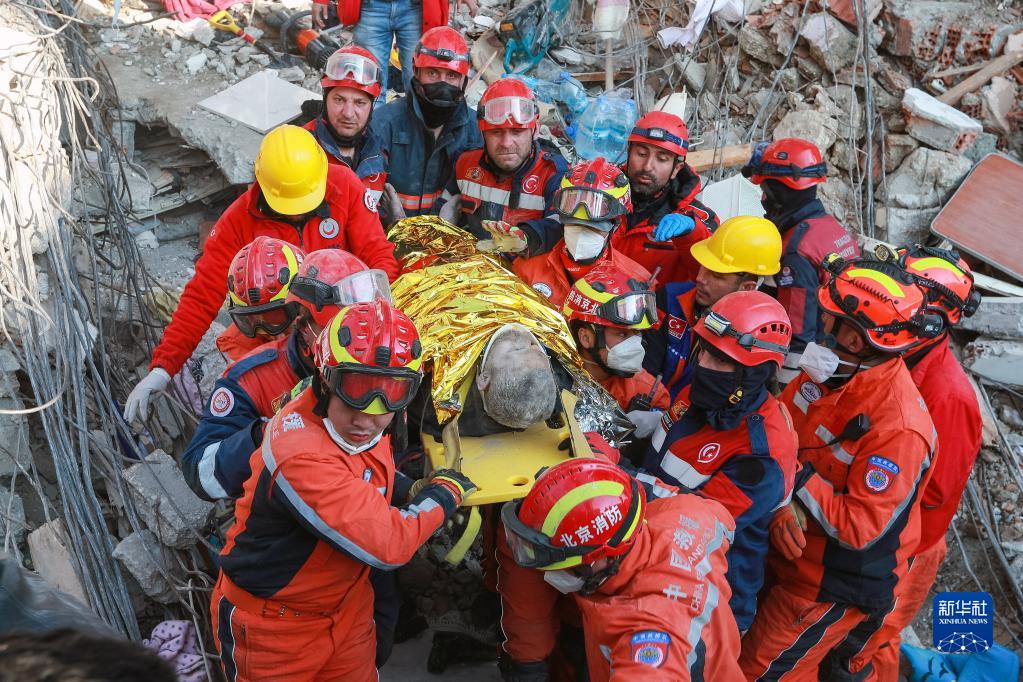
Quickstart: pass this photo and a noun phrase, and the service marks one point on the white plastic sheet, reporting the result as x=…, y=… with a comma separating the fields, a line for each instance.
x=729, y=10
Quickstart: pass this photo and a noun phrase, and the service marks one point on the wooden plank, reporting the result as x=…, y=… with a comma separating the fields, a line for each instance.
x=979, y=79
x=724, y=157
x=996, y=285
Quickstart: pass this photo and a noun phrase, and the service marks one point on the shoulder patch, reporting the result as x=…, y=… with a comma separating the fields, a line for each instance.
x=785, y=277
x=221, y=402
x=293, y=421
x=708, y=453
x=544, y=289
x=810, y=391
x=877, y=479
x=370, y=201
x=884, y=463
x=650, y=647
x=329, y=228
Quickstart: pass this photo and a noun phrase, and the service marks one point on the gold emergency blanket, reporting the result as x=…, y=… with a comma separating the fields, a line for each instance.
x=460, y=299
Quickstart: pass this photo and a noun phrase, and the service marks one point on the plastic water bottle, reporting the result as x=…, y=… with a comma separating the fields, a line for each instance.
x=545, y=91
x=603, y=129
x=572, y=94
x=609, y=18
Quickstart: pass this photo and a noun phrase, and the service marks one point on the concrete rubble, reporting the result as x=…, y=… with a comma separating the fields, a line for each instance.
x=52, y=559
x=149, y=563
x=995, y=359
x=167, y=505
x=937, y=124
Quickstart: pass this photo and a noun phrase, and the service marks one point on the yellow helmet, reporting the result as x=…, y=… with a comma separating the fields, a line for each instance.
x=291, y=170
x=742, y=244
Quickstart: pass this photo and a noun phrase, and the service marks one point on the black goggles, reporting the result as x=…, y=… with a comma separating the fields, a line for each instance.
x=272, y=319
x=358, y=387
x=630, y=309
x=721, y=326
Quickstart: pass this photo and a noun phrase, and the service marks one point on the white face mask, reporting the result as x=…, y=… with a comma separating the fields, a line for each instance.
x=627, y=356
x=584, y=243
x=345, y=445
x=564, y=582
x=820, y=363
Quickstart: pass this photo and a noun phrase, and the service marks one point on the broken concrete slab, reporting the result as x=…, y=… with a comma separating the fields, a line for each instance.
x=937, y=124
x=998, y=99
x=165, y=502
x=926, y=178
x=997, y=317
x=896, y=148
x=51, y=558
x=846, y=10
x=811, y=125
x=759, y=46
x=261, y=102
x=995, y=359
x=149, y=562
x=917, y=27
x=831, y=44
x=905, y=226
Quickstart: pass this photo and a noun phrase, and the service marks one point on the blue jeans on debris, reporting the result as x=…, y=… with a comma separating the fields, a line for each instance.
x=378, y=22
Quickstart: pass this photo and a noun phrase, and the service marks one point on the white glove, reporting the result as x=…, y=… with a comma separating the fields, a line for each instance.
x=392, y=203
x=137, y=404
x=645, y=422
x=449, y=211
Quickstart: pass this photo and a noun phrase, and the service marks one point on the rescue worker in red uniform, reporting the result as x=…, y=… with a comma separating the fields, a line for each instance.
x=728, y=439
x=350, y=84
x=297, y=197
x=952, y=402
x=666, y=219
x=739, y=256
x=648, y=579
x=293, y=599
x=591, y=203
x=257, y=286
x=507, y=187
x=607, y=311
x=788, y=171
x=866, y=443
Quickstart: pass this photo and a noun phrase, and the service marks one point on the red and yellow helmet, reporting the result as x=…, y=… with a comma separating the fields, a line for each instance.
x=352, y=67
x=258, y=282
x=946, y=278
x=594, y=191
x=750, y=327
x=442, y=47
x=662, y=130
x=330, y=279
x=612, y=296
x=508, y=103
x=880, y=299
x=370, y=357
x=579, y=511
x=791, y=161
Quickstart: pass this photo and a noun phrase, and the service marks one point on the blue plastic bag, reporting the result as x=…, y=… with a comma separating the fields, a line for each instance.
x=997, y=664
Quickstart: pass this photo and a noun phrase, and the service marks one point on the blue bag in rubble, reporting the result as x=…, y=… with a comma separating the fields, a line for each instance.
x=997, y=664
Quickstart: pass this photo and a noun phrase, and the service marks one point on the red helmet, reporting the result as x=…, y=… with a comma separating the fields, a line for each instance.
x=257, y=286
x=330, y=279
x=946, y=278
x=579, y=511
x=369, y=355
x=662, y=130
x=594, y=191
x=352, y=67
x=611, y=296
x=880, y=299
x=748, y=326
x=791, y=161
x=508, y=103
x=442, y=47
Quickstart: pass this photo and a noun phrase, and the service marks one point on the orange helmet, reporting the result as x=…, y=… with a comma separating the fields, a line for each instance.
x=594, y=191
x=442, y=47
x=750, y=327
x=662, y=130
x=352, y=67
x=369, y=355
x=880, y=299
x=579, y=511
x=611, y=296
x=258, y=282
x=944, y=275
x=791, y=161
x=508, y=103
x=330, y=279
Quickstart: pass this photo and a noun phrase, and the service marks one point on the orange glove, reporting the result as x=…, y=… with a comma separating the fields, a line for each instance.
x=787, y=526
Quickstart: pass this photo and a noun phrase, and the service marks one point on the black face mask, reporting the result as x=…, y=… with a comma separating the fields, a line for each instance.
x=712, y=390
x=438, y=101
x=725, y=398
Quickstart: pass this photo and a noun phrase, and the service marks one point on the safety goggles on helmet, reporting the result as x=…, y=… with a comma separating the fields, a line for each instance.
x=532, y=548
x=347, y=66
x=661, y=135
x=272, y=320
x=361, y=287
x=443, y=54
x=359, y=386
x=597, y=204
x=629, y=309
x=720, y=325
x=518, y=110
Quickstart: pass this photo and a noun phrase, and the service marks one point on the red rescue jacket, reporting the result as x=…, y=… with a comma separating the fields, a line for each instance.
x=343, y=221
x=435, y=12
x=624, y=389
x=548, y=274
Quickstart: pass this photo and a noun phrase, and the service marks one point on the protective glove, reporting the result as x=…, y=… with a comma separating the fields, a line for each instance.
x=137, y=404
x=392, y=204
x=786, y=528
x=454, y=481
x=646, y=421
x=673, y=225
x=507, y=238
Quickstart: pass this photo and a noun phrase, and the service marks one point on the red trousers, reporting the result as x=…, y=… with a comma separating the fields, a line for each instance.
x=790, y=636
x=264, y=641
